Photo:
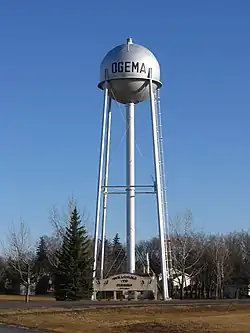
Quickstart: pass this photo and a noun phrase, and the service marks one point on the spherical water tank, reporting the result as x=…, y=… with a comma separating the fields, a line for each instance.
x=127, y=68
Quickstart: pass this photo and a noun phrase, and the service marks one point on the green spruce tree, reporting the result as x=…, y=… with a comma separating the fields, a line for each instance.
x=118, y=257
x=74, y=271
x=42, y=269
x=42, y=265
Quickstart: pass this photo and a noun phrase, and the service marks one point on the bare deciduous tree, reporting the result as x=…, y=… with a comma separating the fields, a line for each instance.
x=2, y=267
x=186, y=250
x=142, y=250
x=20, y=254
x=52, y=246
x=245, y=250
x=219, y=255
x=59, y=221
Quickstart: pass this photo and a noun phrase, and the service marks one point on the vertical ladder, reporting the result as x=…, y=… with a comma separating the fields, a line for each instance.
x=164, y=185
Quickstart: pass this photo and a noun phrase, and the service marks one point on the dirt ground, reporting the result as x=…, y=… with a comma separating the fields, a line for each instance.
x=171, y=319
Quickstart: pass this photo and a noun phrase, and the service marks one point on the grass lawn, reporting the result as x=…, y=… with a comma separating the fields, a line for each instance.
x=22, y=298
x=157, y=319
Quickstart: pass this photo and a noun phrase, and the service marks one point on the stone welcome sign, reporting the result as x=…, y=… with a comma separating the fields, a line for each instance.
x=126, y=281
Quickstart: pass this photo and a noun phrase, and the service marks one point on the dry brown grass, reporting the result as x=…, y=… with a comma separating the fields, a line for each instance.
x=22, y=298
x=158, y=319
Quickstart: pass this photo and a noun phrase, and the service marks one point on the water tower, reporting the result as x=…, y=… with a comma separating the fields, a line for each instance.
x=130, y=74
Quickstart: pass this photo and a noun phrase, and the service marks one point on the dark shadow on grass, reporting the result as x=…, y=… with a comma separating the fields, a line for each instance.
x=150, y=327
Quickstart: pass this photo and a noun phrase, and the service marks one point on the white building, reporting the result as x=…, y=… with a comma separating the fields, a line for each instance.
x=177, y=279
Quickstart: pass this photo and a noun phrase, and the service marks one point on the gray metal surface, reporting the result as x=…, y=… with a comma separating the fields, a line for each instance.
x=105, y=189
x=127, y=67
x=130, y=182
x=130, y=73
x=160, y=212
x=100, y=180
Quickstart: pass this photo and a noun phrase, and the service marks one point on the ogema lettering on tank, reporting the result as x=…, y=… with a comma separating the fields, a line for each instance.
x=128, y=67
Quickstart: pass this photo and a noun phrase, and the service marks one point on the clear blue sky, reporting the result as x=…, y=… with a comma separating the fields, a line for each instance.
x=50, y=108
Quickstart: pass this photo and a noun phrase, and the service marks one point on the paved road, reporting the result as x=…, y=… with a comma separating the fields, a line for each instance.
x=100, y=304
x=11, y=329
